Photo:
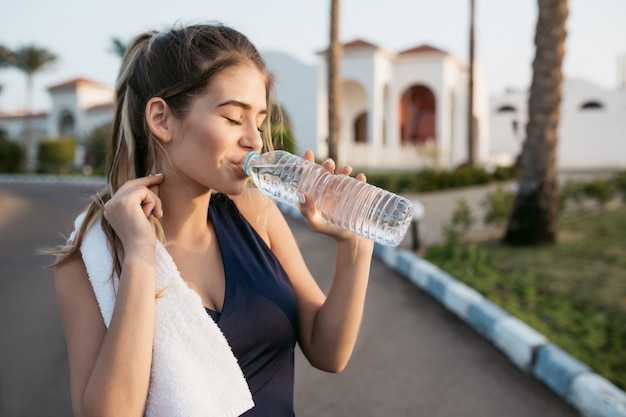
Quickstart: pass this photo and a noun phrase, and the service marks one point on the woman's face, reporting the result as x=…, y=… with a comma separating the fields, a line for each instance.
x=211, y=142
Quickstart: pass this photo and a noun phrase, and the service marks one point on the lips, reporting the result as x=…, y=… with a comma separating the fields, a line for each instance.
x=239, y=167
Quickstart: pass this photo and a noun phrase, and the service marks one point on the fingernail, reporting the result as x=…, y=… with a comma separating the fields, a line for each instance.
x=327, y=160
x=301, y=198
x=158, y=174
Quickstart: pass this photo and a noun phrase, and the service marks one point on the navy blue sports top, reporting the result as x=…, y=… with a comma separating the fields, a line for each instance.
x=259, y=317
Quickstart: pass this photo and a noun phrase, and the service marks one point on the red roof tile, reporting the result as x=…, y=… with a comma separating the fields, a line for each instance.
x=75, y=83
x=359, y=43
x=422, y=48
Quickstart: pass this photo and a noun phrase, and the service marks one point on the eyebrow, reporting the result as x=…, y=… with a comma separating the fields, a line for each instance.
x=241, y=104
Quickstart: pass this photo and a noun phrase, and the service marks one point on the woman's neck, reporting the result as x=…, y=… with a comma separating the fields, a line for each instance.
x=185, y=214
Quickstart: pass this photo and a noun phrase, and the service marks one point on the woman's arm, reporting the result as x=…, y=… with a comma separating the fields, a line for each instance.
x=110, y=368
x=329, y=325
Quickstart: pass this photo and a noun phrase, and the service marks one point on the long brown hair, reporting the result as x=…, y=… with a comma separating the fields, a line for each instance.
x=176, y=65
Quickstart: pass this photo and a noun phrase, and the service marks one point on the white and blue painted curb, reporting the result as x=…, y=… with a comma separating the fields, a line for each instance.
x=589, y=393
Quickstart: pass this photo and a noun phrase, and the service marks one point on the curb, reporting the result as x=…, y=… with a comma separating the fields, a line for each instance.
x=589, y=393
x=51, y=179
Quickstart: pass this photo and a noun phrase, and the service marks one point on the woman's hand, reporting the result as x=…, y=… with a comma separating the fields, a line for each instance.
x=315, y=220
x=129, y=210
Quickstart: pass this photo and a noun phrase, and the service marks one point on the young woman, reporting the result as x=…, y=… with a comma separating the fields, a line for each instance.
x=182, y=290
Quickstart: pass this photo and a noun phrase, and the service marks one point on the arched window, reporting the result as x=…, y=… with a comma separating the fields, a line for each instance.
x=360, y=128
x=592, y=105
x=507, y=108
x=417, y=115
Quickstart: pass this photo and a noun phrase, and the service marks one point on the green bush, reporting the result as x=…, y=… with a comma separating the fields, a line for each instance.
x=571, y=195
x=11, y=156
x=600, y=190
x=497, y=205
x=619, y=182
x=429, y=179
x=96, y=146
x=56, y=155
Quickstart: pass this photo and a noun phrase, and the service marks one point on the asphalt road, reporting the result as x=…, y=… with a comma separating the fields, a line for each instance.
x=413, y=358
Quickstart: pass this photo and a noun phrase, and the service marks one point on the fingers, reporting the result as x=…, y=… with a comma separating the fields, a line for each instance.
x=330, y=165
x=136, y=196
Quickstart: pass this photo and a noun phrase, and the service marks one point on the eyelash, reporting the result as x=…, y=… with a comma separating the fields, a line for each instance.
x=239, y=123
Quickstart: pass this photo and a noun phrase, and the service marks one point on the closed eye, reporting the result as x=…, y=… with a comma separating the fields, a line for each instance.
x=233, y=121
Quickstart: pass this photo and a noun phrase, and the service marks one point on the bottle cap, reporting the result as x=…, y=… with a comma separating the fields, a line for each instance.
x=246, y=166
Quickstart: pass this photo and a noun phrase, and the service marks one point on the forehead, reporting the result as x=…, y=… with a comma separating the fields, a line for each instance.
x=245, y=83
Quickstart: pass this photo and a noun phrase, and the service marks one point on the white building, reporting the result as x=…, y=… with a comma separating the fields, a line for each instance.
x=400, y=110
x=78, y=107
x=592, y=128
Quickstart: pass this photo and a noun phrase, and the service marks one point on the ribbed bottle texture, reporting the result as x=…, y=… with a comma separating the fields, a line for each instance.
x=354, y=205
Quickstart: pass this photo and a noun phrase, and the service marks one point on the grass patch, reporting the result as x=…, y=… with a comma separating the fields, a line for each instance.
x=574, y=292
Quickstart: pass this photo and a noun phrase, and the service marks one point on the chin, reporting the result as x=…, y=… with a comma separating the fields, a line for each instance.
x=233, y=189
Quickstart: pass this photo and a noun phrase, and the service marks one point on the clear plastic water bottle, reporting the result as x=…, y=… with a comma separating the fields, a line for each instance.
x=343, y=200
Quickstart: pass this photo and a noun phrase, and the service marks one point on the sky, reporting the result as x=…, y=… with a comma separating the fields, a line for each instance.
x=80, y=33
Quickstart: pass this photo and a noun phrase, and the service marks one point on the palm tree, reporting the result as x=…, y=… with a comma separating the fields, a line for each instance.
x=534, y=216
x=334, y=82
x=118, y=47
x=30, y=60
x=5, y=58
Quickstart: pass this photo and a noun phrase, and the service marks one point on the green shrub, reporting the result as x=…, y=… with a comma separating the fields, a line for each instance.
x=430, y=179
x=502, y=173
x=461, y=222
x=96, y=147
x=600, y=190
x=571, y=195
x=466, y=175
x=11, y=156
x=619, y=182
x=497, y=205
x=56, y=155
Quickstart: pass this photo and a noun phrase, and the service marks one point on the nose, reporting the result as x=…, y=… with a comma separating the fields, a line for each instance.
x=251, y=138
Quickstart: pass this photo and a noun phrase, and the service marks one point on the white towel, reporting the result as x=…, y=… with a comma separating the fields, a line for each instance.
x=194, y=372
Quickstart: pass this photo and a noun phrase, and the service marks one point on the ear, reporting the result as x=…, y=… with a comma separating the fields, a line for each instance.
x=159, y=119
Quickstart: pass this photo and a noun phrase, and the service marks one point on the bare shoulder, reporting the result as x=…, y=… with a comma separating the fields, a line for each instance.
x=260, y=211
x=74, y=292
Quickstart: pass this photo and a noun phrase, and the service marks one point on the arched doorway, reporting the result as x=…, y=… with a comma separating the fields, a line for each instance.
x=66, y=124
x=360, y=128
x=417, y=116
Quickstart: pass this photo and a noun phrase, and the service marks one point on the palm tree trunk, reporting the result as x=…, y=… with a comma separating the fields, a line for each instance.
x=471, y=140
x=334, y=82
x=535, y=210
x=28, y=126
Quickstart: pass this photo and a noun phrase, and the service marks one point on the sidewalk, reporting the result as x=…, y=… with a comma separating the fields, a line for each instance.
x=438, y=210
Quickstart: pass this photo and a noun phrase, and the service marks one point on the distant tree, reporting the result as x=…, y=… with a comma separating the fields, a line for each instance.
x=536, y=206
x=6, y=57
x=118, y=47
x=30, y=60
x=334, y=82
